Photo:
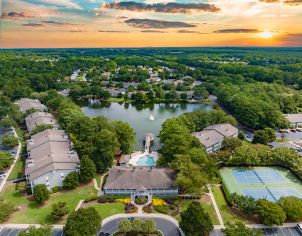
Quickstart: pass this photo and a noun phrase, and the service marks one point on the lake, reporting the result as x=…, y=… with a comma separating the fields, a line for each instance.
x=143, y=118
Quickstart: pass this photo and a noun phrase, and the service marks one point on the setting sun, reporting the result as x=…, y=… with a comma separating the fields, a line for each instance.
x=266, y=34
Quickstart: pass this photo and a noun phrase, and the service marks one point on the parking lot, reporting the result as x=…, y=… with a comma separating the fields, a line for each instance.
x=281, y=231
x=15, y=232
x=13, y=151
x=290, y=134
x=269, y=231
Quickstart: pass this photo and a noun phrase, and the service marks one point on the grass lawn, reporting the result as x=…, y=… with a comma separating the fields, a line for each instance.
x=32, y=213
x=98, y=178
x=225, y=210
x=207, y=206
x=17, y=170
x=108, y=209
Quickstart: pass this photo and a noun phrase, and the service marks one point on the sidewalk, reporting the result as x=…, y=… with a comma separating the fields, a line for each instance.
x=14, y=163
x=215, y=207
x=25, y=226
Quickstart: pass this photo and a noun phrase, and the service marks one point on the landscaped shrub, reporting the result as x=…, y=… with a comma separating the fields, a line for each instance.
x=21, y=187
x=162, y=209
x=116, y=196
x=41, y=193
x=85, y=221
x=195, y=221
x=141, y=200
x=106, y=200
x=56, y=189
x=170, y=201
x=102, y=200
x=90, y=198
x=5, y=160
x=59, y=210
x=111, y=200
x=71, y=181
x=9, y=141
x=138, y=226
x=148, y=208
x=123, y=200
x=227, y=194
x=6, y=209
x=158, y=202
x=45, y=230
x=270, y=213
x=130, y=208
x=246, y=204
x=292, y=206
x=194, y=197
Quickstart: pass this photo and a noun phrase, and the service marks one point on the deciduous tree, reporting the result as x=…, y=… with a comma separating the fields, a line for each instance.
x=85, y=221
x=195, y=221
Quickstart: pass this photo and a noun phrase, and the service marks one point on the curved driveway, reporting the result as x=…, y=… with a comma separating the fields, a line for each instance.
x=164, y=225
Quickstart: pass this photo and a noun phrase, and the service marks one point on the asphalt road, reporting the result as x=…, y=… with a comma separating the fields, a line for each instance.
x=270, y=231
x=168, y=228
x=15, y=232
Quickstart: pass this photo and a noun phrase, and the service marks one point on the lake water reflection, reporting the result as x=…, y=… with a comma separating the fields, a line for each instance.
x=143, y=118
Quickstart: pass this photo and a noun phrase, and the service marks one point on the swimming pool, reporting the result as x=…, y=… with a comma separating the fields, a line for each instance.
x=146, y=161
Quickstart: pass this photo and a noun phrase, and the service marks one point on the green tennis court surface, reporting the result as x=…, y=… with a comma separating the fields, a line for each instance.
x=269, y=183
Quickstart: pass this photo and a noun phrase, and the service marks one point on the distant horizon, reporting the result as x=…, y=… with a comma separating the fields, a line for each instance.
x=159, y=47
x=150, y=23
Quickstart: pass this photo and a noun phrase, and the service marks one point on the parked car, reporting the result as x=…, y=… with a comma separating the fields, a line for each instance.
x=2, y=176
x=13, y=152
x=1, y=229
x=299, y=227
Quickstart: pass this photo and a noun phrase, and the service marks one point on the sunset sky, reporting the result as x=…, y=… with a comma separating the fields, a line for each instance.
x=150, y=23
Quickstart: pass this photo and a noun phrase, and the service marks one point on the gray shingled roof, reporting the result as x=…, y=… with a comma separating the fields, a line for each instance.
x=39, y=118
x=49, y=156
x=208, y=137
x=46, y=136
x=227, y=130
x=294, y=118
x=140, y=178
x=215, y=134
x=26, y=104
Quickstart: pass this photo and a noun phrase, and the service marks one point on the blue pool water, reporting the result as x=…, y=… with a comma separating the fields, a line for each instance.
x=146, y=161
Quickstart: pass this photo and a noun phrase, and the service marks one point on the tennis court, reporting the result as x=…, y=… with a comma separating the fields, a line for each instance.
x=269, y=183
x=256, y=176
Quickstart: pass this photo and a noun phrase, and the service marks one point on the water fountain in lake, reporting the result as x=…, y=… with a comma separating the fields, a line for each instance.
x=151, y=117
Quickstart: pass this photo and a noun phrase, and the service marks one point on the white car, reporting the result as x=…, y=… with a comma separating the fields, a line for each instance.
x=2, y=176
x=1, y=229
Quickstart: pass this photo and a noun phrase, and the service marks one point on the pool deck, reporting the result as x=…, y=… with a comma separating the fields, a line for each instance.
x=136, y=157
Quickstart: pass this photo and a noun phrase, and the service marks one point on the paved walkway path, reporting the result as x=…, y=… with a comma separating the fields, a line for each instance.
x=79, y=205
x=95, y=183
x=101, y=183
x=14, y=163
x=215, y=206
x=25, y=226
